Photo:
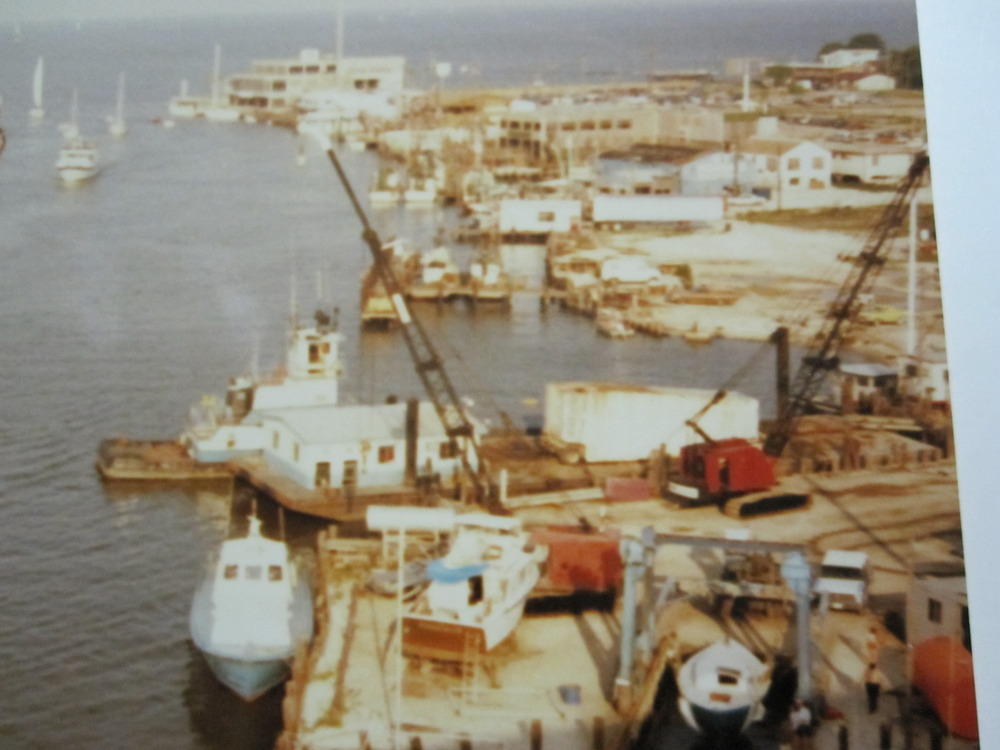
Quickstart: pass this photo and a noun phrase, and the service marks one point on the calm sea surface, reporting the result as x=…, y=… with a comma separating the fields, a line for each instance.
x=124, y=300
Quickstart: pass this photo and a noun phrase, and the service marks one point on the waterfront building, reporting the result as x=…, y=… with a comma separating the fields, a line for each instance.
x=786, y=167
x=278, y=84
x=870, y=163
x=361, y=446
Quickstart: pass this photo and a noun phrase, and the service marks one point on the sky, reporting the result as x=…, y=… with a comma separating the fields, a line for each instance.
x=47, y=10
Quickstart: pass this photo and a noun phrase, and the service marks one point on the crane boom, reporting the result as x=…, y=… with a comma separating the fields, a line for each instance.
x=824, y=356
x=426, y=359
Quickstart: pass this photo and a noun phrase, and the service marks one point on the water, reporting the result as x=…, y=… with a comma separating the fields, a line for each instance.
x=124, y=300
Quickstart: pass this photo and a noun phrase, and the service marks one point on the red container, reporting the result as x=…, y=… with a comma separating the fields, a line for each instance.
x=942, y=671
x=579, y=561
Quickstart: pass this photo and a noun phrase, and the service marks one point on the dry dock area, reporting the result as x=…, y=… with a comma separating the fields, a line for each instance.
x=552, y=685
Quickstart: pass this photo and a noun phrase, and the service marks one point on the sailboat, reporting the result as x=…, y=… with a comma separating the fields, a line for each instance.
x=217, y=111
x=116, y=124
x=38, y=110
x=77, y=157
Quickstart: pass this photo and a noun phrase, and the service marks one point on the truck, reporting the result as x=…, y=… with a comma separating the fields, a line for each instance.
x=842, y=582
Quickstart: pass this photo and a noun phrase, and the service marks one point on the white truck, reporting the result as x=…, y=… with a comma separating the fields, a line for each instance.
x=843, y=581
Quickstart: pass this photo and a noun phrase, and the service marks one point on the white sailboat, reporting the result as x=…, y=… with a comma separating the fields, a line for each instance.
x=77, y=157
x=116, y=124
x=37, y=83
x=217, y=110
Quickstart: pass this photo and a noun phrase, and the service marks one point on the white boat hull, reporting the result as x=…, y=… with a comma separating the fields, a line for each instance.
x=721, y=687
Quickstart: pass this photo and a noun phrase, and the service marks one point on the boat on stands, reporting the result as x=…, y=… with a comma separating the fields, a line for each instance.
x=476, y=593
x=721, y=688
x=78, y=157
x=251, y=612
x=218, y=431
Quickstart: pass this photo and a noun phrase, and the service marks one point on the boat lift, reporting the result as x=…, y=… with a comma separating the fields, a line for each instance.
x=639, y=641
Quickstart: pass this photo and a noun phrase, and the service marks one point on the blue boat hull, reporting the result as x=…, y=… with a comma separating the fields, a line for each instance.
x=248, y=679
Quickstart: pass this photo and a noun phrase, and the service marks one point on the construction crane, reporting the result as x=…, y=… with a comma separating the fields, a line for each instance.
x=825, y=355
x=428, y=363
x=736, y=474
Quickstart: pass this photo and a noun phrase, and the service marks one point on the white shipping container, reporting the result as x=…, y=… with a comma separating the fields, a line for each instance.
x=628, y=209
x=621, y=422
x=539, y=216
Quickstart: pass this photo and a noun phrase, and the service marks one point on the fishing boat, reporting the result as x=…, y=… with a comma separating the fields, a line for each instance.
x=611, y=323
x=116, y=124
x=721, y=687
x=37, y=84
x=386, y=188
x=251, y=612
x=77, y=160
x=477, y=591
x=219, y=430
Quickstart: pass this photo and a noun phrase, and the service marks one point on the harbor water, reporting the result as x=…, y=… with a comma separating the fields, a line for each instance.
x=126, y=299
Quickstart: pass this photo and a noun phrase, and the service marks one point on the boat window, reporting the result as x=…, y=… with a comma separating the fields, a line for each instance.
x=728, y=677
x=274, y=572
x=230, y=571
x=386, y=453
x=448, y=450
x=254, y=572
x=475, y=589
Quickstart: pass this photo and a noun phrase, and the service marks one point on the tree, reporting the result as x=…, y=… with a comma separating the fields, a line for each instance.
x=779, y=74
x=830, y=47
x=867, y=40
x=904, y=66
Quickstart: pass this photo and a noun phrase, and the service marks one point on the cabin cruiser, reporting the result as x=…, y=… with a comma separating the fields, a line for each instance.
x=476, y=593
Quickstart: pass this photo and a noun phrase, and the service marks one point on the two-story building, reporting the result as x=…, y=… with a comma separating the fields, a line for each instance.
x=787, y=167
x=278, y=84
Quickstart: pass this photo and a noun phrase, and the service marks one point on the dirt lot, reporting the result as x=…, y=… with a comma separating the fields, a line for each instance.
x=787, y=277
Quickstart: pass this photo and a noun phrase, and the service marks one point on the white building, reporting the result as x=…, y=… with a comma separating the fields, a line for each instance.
x=848, y=58
x=538, y=218
x=786, y=167
x=870, y=163
x=279, y=83
x=656, y=209
x=938, y=605
x=362, y=446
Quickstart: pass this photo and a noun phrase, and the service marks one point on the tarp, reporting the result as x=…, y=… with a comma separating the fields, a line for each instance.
x=942, y=671
x=438, y=571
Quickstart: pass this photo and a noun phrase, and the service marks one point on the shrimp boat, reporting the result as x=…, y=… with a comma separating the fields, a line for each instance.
x=721, y=688
x=477, y=591
x=251, y=612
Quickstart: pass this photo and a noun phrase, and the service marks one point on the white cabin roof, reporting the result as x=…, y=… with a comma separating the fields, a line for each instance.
x=348, y=424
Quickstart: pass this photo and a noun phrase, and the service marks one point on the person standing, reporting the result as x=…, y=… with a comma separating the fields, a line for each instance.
x=873, y=686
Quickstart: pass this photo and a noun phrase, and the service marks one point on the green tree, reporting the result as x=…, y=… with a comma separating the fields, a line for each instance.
x=867, y=40
x=779, y=74
x=904, y=66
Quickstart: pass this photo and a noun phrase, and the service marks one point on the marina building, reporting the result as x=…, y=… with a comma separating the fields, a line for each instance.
x=870, y=163
x=788, y=166
x=358, y=446
x=278, y=84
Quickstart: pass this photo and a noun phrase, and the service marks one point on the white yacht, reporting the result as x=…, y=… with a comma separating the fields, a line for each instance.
x=77, y=160
x=477, y=591
x=251, y=612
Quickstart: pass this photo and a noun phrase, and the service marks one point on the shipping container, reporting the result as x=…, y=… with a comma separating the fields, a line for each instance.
x=657, y=209
x=620, y=422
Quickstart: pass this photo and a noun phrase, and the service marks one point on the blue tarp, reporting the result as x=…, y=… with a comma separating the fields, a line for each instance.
x=438, y=571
